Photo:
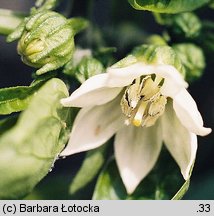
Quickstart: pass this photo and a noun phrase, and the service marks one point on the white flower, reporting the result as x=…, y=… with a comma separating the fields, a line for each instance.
x=145, y=106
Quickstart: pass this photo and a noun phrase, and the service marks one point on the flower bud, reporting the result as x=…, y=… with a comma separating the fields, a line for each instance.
x=185, y=26
x=46, y=40
x=83, y=65
x=193, y=60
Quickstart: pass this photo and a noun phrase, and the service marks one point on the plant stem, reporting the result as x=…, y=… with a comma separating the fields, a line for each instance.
x=9, y=20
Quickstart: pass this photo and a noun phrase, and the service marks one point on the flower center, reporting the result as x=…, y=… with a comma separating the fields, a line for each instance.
x=142, y=102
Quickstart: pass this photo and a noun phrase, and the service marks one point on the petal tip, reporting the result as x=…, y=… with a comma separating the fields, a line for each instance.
x=205, y=131
x=67, y=151
x=129, y=180
x=130, y=188
x=185, y=175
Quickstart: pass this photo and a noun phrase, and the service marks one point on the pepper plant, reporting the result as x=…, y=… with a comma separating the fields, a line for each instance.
x=116, y=91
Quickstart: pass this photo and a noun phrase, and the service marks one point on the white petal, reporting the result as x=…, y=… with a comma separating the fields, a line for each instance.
x=188, y=114
x=119, y=77
x=94, y=126
x=136, y=151
x=103, y=88
x=181, y=143
x=93, y=91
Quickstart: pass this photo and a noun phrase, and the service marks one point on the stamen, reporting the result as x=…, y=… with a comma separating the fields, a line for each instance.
x=157, y=80
x=149, y=88
x=157, y=107
x=142, y=102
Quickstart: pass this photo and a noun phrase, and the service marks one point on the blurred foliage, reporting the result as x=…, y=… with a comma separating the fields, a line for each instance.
x=9, y=20
x=44, y=190
x=183, y=26
x=206, y=39
x=202, y=188
x=92, y=164
x=193, y=60
x=162, y=183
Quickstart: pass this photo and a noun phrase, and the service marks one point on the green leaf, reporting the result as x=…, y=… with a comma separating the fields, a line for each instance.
x=192, y=58
x=163, y=182
x=109, y=184
x=92, y=164
x=16, y=99
x=168, y=6
x=30, y=148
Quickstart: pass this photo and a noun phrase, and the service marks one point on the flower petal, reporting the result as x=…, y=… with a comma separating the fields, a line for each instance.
x=111, y=83
x=136, y=151
x=93, y=91
x=188, y=114
x=119, y=77
x=181, y=143
x=94, y=126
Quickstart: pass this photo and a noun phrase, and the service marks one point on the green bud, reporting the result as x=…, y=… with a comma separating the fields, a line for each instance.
x=186, y=25
x=156, y=40
x=83, y=66
x=153, y=55
x=181, y=26
x=192, y=58
x=46, y=40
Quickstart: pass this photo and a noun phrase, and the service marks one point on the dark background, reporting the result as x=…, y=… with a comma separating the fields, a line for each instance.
x=105, y=15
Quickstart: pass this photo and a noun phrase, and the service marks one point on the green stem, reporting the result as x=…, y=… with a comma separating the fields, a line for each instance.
x=9, y=20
